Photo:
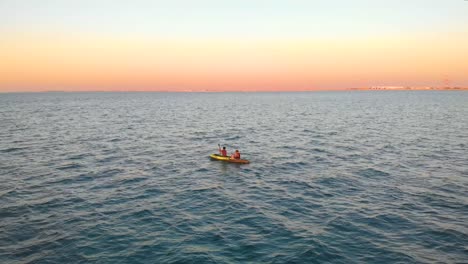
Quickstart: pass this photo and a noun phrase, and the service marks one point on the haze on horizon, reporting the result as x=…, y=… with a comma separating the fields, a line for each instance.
x=230, y=45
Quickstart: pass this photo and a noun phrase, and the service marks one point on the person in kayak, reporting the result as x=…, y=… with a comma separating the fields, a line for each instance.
x=223, y=152
x=235, y=155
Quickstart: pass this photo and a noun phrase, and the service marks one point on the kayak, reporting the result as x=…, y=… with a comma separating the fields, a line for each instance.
x=228, y=159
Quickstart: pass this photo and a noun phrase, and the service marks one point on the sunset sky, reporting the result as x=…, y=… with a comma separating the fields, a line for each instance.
x=214, y=45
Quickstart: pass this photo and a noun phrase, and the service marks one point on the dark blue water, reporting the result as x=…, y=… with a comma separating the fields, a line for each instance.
x=339, y=177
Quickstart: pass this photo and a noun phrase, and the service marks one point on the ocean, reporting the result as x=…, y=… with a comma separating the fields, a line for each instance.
x=335, y=177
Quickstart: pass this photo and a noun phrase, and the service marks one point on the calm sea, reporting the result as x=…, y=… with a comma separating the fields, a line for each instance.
x=335, y=177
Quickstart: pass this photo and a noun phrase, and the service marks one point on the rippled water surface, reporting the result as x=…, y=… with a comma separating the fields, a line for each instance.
x=340, y=177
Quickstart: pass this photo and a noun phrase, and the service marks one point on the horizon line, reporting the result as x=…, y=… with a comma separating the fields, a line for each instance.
x=374, y=88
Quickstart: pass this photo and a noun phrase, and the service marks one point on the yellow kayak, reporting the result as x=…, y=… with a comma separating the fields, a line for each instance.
x=228, y=159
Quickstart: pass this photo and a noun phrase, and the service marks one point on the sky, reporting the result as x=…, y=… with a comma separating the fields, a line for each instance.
x=215, y=45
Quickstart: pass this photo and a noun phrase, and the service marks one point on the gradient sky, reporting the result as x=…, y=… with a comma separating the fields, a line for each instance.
x=231, y=45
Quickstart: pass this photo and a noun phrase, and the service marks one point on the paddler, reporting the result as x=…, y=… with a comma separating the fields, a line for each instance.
x=235, y=155
x=222, y=152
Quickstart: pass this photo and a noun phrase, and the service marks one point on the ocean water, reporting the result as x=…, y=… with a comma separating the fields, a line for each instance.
x=335, y=177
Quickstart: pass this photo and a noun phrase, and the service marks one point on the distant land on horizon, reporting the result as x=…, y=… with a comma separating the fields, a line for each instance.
x=415, y=88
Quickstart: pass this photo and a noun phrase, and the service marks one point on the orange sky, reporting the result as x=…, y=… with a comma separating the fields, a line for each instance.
x=241, y=45
x=95, y=62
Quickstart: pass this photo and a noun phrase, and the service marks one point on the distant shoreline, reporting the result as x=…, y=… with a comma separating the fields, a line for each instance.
x=391, y=88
